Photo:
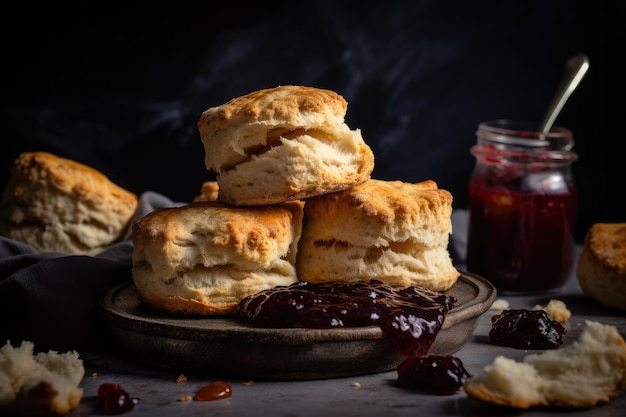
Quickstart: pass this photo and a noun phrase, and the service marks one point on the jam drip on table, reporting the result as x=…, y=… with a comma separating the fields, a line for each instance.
x=526, y=329
x=411, y=316
x=217, y=390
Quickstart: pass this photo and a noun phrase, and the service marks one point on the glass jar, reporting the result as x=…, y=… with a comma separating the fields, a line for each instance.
x=522, y=207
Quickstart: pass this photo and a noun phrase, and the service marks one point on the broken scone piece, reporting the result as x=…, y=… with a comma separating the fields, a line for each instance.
x=589, y=371
x=46, y=383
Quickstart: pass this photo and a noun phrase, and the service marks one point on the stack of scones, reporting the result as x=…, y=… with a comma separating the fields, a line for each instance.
x=293, y=201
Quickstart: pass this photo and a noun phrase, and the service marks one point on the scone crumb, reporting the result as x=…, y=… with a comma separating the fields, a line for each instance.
x=356, y=384
x=248, y=382
x=185, y=398
x=181, y=378
x=556, y=309
x=94, y=374
x=499, y=304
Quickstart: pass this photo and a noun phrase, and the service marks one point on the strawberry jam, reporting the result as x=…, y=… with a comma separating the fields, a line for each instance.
x=217, y=390
x=522, y=206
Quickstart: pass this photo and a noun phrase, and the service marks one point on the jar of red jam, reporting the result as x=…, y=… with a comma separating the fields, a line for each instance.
x=522, y=207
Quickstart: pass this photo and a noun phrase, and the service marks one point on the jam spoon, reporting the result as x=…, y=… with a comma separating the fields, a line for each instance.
x=575, y=69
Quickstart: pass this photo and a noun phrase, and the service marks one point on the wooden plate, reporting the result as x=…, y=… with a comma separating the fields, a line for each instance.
x=226, y=347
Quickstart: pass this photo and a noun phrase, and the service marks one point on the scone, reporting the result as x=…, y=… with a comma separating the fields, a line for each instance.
x=204, y=257
x=45, y=383
x=589, y=371
x=601, y=269
x=208, y=192
x=281, y=144
x=393, y=231
x=60, y=205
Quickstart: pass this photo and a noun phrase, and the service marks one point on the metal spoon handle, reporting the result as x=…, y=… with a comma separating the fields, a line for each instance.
x=575, y=70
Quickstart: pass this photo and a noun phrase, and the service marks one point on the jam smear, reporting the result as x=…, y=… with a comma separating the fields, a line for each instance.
x=217, y=390
x=411, y=316
x=440, y=375
x=112, y=399
x=526, y=329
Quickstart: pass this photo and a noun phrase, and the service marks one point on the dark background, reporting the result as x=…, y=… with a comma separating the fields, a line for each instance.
x=121, y=90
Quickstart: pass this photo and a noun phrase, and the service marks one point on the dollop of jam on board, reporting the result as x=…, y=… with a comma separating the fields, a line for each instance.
x=411, y=316
x=112, y=399
x=526, y=329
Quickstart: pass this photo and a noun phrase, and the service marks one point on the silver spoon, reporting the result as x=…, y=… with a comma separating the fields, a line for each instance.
x=575, y=69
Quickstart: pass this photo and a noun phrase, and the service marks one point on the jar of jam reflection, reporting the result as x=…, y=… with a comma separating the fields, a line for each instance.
x=522, y=207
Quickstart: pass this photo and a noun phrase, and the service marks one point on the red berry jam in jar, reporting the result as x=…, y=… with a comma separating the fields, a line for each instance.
x=522, y=207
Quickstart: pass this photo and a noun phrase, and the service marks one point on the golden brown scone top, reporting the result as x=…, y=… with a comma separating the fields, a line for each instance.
x=607, y=242
x=601, y=268
x=390, y=202
x=56, y=204
x=251, y=236
x=72, y=177
x=279, y=105
x=282, y=144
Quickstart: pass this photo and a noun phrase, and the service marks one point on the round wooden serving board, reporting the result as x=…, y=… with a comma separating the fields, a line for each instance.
x=226, y=347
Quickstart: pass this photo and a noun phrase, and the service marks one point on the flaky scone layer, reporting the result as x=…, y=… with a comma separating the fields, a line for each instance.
x=204, y=257
x=300, y=168
x=281, y=144
x=424, y=267
x=393, y=231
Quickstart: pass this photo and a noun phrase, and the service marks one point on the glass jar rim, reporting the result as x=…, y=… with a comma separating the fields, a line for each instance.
x=524, y=134
x=522, y=156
